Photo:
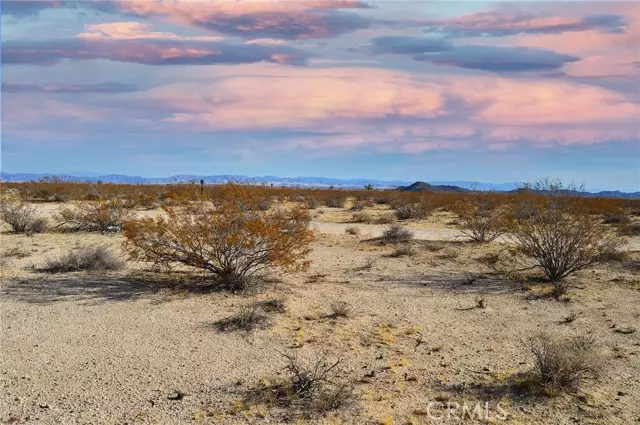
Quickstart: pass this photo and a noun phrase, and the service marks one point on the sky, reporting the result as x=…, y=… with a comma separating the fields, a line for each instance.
x=409, y=90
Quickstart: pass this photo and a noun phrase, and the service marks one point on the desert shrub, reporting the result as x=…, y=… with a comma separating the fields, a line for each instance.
x=248, y=319
x=37, y=225
x=613, y=218
x=312, y=203
x=340, y=309
x=481, y=219
x=273, y=305
x=563, y=240
x=335, y=201
x=386, y=219
x=309, y=388
x=352, y=230
x=21, y=217
x=229, y=242
x=563, y=365
x=405, y=250
x=362, y=217
x=396, y=234
x=415, y=211
x=629, y=229
x=103, y=216
x=357, y=206
x=98, y=257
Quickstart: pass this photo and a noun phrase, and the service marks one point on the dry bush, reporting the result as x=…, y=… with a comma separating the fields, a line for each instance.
x=37, y=225
x=414, y=211
x=20, y=216
x=340, y=309
x=357, y=206
x=248, y=319
x=309, y=388
x=335, y=201
x=405, y=250
x=396, y=234
x=386, y=219
x=103, y=216
x=562, y=240
x=362, y=217
x=481, y=219
x=629, y=229
x=273, y=305
x=98, y=257
x=563, y=365
x=312, y=203
x=231, y=243
x=352, y=230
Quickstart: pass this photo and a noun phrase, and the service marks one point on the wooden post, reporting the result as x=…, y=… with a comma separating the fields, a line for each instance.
x=201, y=190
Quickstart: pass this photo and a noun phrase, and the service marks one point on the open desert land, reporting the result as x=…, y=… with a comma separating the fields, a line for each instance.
x=417, y=332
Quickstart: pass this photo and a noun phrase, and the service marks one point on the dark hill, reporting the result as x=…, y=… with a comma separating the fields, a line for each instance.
x=426, y=187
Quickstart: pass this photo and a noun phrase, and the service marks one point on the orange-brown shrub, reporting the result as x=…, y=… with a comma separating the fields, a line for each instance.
x=103, y=215
x=482, y=218
x=234, y=241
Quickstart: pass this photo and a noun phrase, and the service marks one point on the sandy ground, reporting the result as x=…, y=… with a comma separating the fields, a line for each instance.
x=125, y=347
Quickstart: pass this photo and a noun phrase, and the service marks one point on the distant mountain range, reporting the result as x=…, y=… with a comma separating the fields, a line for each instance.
x=308, y=182
x=426, y=187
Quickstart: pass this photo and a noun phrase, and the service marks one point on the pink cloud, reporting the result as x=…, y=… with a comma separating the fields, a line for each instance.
x=399, y=110
x=133, y=31
x=292, y=19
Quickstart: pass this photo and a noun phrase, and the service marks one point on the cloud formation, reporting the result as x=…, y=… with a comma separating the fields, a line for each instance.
x=148, y=52
x=400, y=111
x=499, y=59
x=295, y=19
x=132, y=30
x=106, y=88
x=408, y=45
x=503, y=22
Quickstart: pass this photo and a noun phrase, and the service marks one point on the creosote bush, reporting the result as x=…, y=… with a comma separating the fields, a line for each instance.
x=562, y=239
x=21, y=217
x=98, y=257
x=415, y=211
x=482, y=219
x=102, y=216
x=232, y=243
x=396, y=234
x=564, y=364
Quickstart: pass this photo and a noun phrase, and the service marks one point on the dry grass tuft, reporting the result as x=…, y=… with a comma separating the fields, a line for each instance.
x=88, y=258
x=564, y=365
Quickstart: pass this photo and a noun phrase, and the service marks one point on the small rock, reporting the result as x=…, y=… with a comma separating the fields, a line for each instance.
x=176, y=396
x=621, y=394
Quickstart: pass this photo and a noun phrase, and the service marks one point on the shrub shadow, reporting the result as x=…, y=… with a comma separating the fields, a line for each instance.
x=104, y=288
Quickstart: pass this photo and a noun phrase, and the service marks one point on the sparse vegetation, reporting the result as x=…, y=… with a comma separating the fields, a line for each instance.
x=362, y=217
x=352, y=230
x=405, y=250
x=21, y=217
x=340, y=309
x=482, y=219
x=231, y=243
x=562, y=240
x=89, y=216
x=310, y=388
x=396, y=234
x=248, y=319
x=412, y=211
x=564, y=364
x=88, y=258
